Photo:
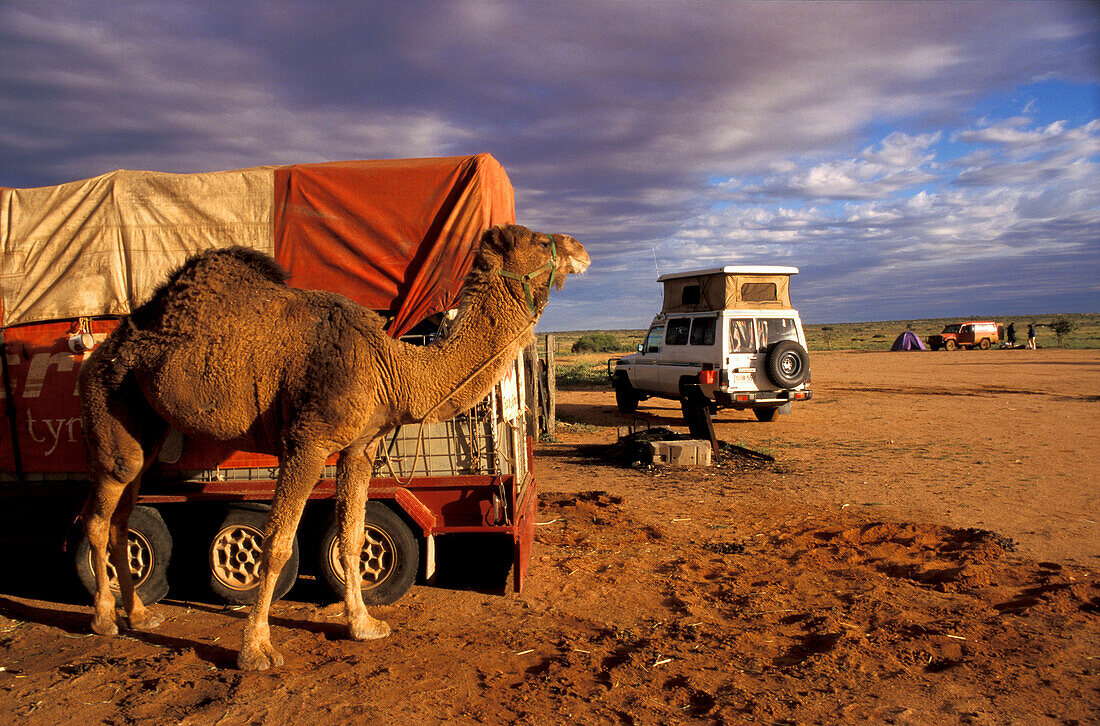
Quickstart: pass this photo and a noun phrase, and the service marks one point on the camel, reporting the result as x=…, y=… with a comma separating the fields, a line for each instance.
x=226, y=351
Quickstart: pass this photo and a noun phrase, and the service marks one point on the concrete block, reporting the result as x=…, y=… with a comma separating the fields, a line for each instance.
x=692, y=452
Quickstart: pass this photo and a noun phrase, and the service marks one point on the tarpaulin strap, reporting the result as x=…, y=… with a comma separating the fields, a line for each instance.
x=17, y=455
x=525, y=280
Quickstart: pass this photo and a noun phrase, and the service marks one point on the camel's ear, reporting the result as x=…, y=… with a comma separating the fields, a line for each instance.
x=498, y=239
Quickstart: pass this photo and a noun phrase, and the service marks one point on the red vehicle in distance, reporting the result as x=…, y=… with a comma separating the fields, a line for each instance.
x=971, y=334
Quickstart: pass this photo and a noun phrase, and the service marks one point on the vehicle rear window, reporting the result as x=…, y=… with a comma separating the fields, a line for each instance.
x=759, y=292
x=741, y=335
x=702, y=331
x=678, y=331
x=773, y=330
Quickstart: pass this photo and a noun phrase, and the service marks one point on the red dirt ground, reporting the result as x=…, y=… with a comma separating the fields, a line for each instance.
x=924, y=550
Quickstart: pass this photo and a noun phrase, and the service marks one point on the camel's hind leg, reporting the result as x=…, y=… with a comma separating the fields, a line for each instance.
x=106, y=522
x=122, y=436
x=298, y=474
x=353, y=472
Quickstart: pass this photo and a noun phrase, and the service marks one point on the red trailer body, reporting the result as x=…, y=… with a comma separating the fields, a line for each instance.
x=394, y=236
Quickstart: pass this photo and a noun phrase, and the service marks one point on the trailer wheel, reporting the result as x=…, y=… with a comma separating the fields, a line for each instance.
x=149, y=546
x=236, y=550
x=388, y=563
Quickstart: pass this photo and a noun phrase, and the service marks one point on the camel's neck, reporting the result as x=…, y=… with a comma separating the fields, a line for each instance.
x=452, y=375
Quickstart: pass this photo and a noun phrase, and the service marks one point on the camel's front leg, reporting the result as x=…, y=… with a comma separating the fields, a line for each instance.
x=298, y=474
x=353, y=472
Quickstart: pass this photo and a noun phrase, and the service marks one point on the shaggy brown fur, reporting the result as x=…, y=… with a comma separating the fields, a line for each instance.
x=226, y=351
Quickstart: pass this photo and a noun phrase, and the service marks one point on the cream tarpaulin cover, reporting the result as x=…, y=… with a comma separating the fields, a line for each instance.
x=729, y=288
x=392, y=235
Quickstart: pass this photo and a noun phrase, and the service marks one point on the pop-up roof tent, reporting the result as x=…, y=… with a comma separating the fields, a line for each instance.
x=734, y=287
x=396, y=236
x=908, y=341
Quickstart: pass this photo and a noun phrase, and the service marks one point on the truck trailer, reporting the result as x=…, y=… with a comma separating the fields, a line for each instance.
x=395, y=236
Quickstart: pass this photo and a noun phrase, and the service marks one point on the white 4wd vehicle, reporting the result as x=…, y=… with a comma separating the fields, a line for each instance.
x=725, y=338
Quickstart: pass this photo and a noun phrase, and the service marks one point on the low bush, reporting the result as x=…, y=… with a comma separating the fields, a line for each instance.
x=597, y=343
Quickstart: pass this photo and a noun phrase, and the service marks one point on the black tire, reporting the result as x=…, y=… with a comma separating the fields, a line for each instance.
x=984, y=345
x=765, y=414
x=234, y=555
x=787, y=364
x=150, y=549
x=949, y=345
x=391, y=555
x=626, y=398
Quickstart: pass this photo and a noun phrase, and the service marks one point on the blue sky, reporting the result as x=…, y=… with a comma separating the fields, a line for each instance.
x=913, y=159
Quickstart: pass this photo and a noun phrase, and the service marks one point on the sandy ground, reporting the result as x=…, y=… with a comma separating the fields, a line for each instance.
x=924, y=550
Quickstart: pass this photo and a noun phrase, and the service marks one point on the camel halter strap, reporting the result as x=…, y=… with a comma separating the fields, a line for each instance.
x=525, y=280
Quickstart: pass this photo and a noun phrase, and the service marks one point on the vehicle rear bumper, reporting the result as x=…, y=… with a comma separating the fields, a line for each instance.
x=760, y=399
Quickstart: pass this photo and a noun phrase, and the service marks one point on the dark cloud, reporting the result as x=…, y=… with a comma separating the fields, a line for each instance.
x=617, y=122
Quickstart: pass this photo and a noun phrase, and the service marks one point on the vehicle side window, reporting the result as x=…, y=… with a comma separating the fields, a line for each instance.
x=741, y=337
x=653, y=340
x=702, y=331
x=678, y=330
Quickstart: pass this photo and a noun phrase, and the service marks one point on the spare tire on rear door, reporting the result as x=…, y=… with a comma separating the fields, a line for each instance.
x=787, y=363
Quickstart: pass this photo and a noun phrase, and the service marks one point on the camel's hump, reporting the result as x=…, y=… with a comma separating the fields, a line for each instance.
x=224, y=270
x=216, y=260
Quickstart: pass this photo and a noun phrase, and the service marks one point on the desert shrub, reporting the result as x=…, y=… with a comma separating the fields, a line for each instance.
x=1063, y=328
x=597, y=343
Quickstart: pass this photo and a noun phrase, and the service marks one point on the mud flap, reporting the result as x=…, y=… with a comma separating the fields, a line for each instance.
x=524, y=534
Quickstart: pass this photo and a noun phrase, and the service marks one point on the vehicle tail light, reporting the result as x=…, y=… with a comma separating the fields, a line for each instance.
x=800, y=396
x=708, y=378
x=742, y=398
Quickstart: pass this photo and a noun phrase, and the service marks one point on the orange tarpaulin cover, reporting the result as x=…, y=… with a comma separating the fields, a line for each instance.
x=390, y=235
x=395, y=235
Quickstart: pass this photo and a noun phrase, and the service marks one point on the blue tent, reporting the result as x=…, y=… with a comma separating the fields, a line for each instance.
x=908, y=341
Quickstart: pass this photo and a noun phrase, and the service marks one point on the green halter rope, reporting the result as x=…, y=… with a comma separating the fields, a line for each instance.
x=525, y=280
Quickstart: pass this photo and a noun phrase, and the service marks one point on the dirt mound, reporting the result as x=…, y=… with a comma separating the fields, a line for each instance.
x=723, y=615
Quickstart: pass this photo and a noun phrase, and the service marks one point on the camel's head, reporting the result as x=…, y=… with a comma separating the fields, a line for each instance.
x=530, y=262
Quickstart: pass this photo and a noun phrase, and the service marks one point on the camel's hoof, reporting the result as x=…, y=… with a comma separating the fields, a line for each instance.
x=256, y=659
x=102, y=626
x=146, y=621
x=371, y=630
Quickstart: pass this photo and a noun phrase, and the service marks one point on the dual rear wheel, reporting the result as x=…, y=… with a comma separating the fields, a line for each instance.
x=388, y=564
